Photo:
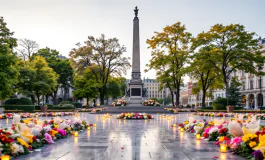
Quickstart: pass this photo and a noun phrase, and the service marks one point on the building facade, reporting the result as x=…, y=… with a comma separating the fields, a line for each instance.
x=152, y=89
x=252, y=88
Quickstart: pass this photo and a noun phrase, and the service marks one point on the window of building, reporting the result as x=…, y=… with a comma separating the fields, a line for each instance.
x=243, y=73
x=243, y=86
x=234, y=73
x=251, y=84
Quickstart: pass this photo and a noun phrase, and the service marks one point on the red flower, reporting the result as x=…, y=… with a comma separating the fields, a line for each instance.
x=34, y=138
x=205, y=135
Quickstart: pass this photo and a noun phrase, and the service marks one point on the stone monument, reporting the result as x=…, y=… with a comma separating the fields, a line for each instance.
x=135, y=91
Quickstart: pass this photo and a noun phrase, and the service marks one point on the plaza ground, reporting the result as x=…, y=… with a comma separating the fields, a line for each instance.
x=115, y=139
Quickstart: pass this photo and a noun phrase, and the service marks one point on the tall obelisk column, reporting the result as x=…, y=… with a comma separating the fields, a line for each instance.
x=136, y=71
x=136, y=84
x=136, y=44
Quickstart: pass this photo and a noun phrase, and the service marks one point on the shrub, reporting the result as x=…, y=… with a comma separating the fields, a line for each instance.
x=238, y=108
x=209, y=108
x=218, y=106
x=18, y=101
x=77, y=104
x=25, y=108
x=65, y=107
x=65, y=102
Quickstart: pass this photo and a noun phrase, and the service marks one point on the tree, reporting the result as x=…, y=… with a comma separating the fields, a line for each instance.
x=203, y=72
x=27, y=75
x=113, y=88
x=45, y=80
x=234, y=95
x=103, y=57
x=86, y=86
x=61, y=66
x=8, y=70
x=232, y=48
x=27, y=48
x=171, y=49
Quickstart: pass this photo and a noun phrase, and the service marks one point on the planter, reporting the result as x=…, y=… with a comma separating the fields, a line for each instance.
x=44, y=109
x=229, y=109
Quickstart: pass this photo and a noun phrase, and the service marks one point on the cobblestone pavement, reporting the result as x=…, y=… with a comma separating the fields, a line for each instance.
x=115, y=139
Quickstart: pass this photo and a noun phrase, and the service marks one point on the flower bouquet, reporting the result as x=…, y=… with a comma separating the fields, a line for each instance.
x=135, y=116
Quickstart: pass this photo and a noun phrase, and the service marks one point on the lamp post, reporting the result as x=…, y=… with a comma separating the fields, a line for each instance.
x=227, y=84
x=260, y=101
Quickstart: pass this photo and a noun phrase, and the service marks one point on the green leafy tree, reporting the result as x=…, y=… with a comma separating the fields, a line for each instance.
x=103, y=57
x=86, y=86
x=170, y=51
x=46, y=79
x=232, y=48
x=234, y=95
x=61, y=66
x=113, y=88
x=203, y=72
x=8, y=70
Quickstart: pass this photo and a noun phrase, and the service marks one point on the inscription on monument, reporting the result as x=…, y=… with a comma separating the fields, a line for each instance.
x=136, y=91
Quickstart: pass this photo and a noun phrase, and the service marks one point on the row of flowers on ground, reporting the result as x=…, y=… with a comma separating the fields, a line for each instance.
x=150, y=102
x=222, y=114
x=29, y=134
x=135, y=116
x=31, y=115
x=94, y=110
x=242, y=137
x=119, y=102
x=176, y=110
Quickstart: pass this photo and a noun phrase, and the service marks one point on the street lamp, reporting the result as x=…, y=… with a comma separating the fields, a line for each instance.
x=260, y=101
x=227, y=85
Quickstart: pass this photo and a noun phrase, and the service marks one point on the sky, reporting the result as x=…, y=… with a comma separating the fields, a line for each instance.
x=60, y=24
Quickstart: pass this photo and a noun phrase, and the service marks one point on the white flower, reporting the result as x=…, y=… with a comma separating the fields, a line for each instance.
x=57, y=120
x=214, y=129
x=47, y=128
x=15, y=148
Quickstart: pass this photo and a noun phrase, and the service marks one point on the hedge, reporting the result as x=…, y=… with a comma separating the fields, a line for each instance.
x=18, y=101
x=77, y=104
x=65, y=102
x=25, y=108
x=65, y=107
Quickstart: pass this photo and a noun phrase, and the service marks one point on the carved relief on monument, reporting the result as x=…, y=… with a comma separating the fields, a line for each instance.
x=136, y=75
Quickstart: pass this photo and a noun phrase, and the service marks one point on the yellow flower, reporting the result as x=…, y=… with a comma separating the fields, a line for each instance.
x=199, y=124
x=56, y=126
x=54, y=132
x=248, y=137
x=22, y=142
x=221, y=139
x=69, y=128
x=252, y=144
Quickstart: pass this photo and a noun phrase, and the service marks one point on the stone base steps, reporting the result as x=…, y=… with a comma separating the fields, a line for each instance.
x=139, y=109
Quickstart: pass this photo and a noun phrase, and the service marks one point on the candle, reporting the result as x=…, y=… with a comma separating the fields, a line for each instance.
x=5, y=157
x=179, y=128
x=222, y=147
x=39, y=122
x=76, y=134
x=88, y=128
x=16, y=119
x=95, y=125
x=174, y=125
x=198, y=136
x=182, y=129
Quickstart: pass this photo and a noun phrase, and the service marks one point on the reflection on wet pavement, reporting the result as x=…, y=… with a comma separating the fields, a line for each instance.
x=129, y=140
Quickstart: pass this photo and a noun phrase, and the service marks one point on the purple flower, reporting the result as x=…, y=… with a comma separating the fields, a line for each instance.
x=258, y=155
x=62, y=132
x=48, y=138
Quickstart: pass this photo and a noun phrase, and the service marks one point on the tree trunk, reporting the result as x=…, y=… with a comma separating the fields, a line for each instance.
x=54, y=96
x=177, y=96
x=172, y=97
x=87, y=101
x=38, y=99
x=203, y=97
x=102, y=93
x=32, y=99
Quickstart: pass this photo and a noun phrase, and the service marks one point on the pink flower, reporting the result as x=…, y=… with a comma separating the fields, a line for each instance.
x=48, y=138
x=235, y=142
x=62, y=132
